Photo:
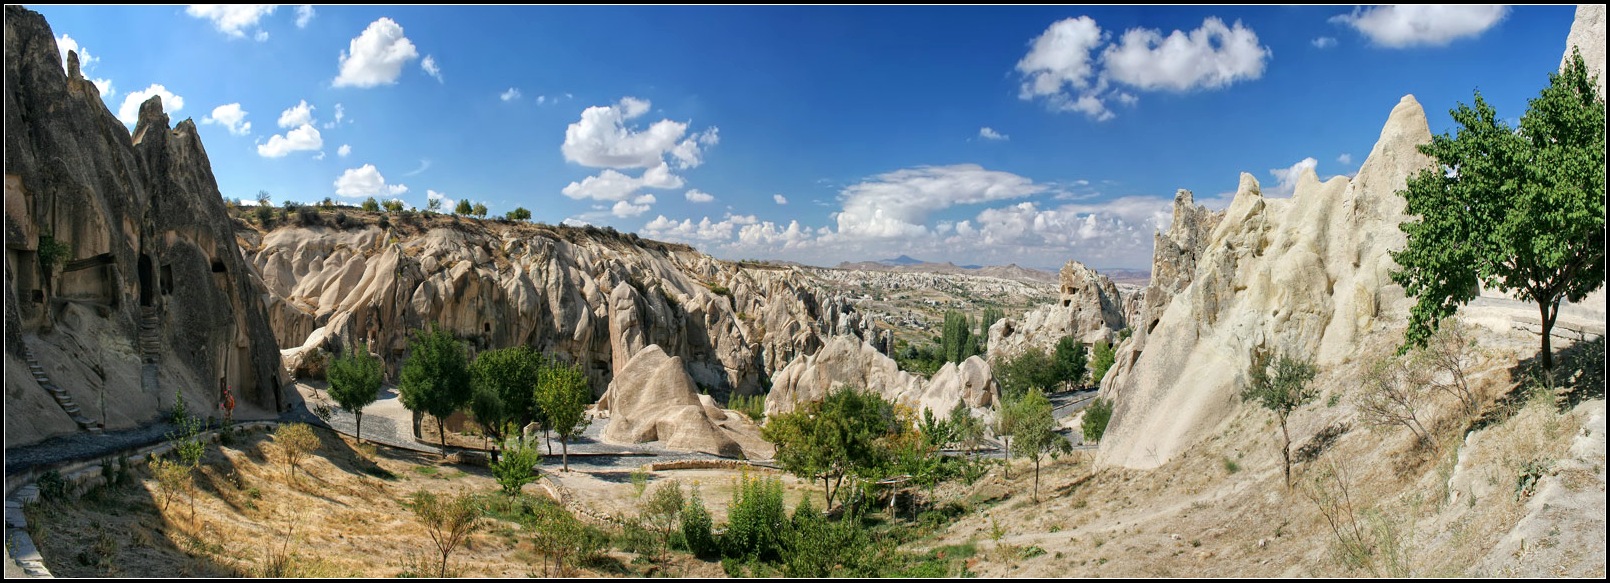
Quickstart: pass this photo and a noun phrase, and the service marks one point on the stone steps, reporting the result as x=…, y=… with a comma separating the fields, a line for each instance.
x=61, y=396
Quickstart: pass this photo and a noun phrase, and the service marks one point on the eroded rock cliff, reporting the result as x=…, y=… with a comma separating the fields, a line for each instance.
x=1088, y=308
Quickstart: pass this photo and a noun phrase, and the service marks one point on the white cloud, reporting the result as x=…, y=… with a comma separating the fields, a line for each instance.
x=344, y=150
x=129, y=112
x=990, y=134
x=637, y=207
x=298, y=115
x=779, y=199
x=695, y=195
x=429, y=65
x=86, y=63
x=1324, y=42
x=340, y=113
x=366, y=181
x=1209, y=57
x=232, y=117
x=447, y=203
x=232, y=19
x=897, y=204
x=611, y=185
x=304, y=15
x=1286, y=178
x=1126, y=99
x=319, y=156
x=1421, y=24
x=601, y=139
x=1345, y=159
x=703, y=231
x=304, y=138
x=510, y=95
x=376, y=57
x=1061, y=56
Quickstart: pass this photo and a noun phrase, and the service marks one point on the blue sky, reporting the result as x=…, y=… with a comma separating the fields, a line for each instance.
x=989, y=135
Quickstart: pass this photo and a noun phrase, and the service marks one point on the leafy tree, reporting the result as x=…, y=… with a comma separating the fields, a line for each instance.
x=663, y=506
x=371, y=205
x=1279, y=384
x=990, y=317
x=328, y=203
x=1030, y=369
x=957, y=341
x=518, y=214
x=1070, y=361
x=449, y=520
x=433, y=204
x=435, y=378
x=965, y=429
x=479, y=210
x=1516, y=210
x=563, y=394
x=296, y=440
x=505, y=382
x=833, y=438
x=1036, y=433
x=816, y=545
x=755, y=518
x=1096, y=418
x=696, y=527
x=1006, y=425
x=189, y=445
x=392, y=206
x=516, y=468
x=1104, y=358
x=263, y=199
x=463, y=207
x=355, y=382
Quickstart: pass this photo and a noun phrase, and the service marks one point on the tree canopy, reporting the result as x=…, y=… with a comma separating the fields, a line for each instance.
x=1279, y=383
x=833, y=438
x=1070, y=361
x=355, y=382
x=1517, y=209
x=1036, y=433
x=505, y=382
x=563, y=394
x=435, y=378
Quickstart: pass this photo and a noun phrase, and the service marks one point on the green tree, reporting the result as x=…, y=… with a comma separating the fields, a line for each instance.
x=990, y=317
x=371, y=205
x=755, y=518
x=663, y=506
x=516, y=468
x=563, y=394
x=1070, y=361
x=1104, y=356
x=833, y=438
x=392, y=206
x=479, y=210
x=1279, y=384
x=1030, y=369
x=433, y=204
x=518, y=214
x=1516, y=210
x=696, y=527
x=505, y=382
x=449, y=520
x=435, y=378
x=355, y=382
x=1096, y=418
x=295, y=440
x=1036, y=433
x=965, y=429
x=463, y=207
x=957, y=340
x=1006, y=424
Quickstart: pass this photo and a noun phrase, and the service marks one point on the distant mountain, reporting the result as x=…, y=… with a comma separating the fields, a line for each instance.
x=904, y=264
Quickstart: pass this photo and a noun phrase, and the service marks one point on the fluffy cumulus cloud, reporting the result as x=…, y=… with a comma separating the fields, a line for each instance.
x=602, y=139
x=990, y=134
x=779, y=199
x=897, y=204
x=376, y=57
x=232, y=117
x=298, y=115
x=233, y=19
x=1064, y=69
x=705, y=231
x=446, y=203
x=510, y=95
x=304, y=15
x=1323, y=42
x=86, y=64
x=695, y=195
x=637, y=206
x=430, y=67
x=304, y=138
x=1286, y=178
x=610, y=185
x=344, y=150
x=366, y=181
x=129, y=112
x=1408, y=25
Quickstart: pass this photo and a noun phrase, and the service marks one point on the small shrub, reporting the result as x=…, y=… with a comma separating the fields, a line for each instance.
x=516, y=467
x=1097, y=415
x=52, y=253
x=448, y=520
x=639, y=481
x=696, y=527
x=1230, y=466
x=264, y=214
x=664, y=504
x=296, y=440
x=371, y=205
x=341, y=219
x=172, y=478
x=52, y=486
x=755, y=518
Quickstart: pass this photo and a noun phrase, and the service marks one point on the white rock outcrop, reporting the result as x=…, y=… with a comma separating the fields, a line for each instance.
x=653, y=399
x=1088, y=307
x=847, y=361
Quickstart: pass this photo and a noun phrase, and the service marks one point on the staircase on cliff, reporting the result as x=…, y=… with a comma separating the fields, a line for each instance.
x=150, y=348
x=61, y=396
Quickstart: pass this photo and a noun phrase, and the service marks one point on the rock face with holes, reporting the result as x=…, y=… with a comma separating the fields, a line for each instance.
x=138, y=234
x=1089, y=308
x=1306, y=276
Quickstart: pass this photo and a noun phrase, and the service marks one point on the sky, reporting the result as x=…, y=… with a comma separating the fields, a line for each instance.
x=976, y=135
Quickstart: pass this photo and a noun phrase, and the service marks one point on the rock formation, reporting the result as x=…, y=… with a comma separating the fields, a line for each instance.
x=151, y=295
x=847, y=361
x=1174, y=258
x=1089, y=308
x=652, y=398
x=1588, y=34
x=1307, y=276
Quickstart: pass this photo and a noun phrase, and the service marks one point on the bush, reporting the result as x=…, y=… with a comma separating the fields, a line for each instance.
x=448, y=521
x=384, y=222
x=518, y=214
x=392, y=206
x=1102, y=359
x=296, y=440
x=171, y=479
x=52, y=253
x=516, y=468
x=696, y=533
x=52, y=486
x=755, y=518
x=371, y=205
x=264, y=214
x=308, y=216
x=341, y=219
x=1095, y=421
x=753, y=405
x=664, y=505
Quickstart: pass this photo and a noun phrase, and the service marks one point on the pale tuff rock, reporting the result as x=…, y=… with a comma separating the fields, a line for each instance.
x=653, y=399
x=847, y=361
x=1307, y=276
x=1088, y=308
x=1588, y=34
x=146, y=233
x=1174, y=258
